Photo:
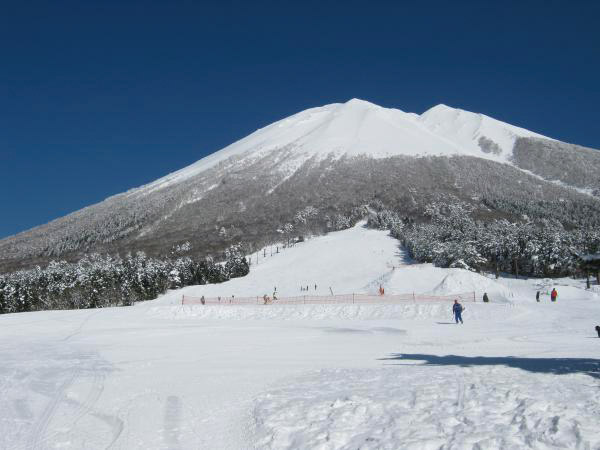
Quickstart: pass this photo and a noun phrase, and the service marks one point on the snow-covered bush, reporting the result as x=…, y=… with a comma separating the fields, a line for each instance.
x=98, y=281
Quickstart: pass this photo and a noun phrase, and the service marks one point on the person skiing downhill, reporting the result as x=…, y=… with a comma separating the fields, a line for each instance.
x=457, y=309
x=553, y=294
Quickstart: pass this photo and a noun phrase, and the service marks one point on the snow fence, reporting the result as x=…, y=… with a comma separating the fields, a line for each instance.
x=329, y=299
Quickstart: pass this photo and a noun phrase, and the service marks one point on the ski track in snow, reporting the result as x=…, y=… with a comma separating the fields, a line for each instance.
x=517, y=374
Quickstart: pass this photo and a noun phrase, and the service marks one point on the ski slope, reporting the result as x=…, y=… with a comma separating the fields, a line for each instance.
x=358, y=260
x=517, y=374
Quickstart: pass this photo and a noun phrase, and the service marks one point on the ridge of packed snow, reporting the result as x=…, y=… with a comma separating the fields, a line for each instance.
x=459, y=280
x=359, y=127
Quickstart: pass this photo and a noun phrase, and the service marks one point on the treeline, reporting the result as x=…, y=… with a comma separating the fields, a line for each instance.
x=453, y=238
x=98, y=281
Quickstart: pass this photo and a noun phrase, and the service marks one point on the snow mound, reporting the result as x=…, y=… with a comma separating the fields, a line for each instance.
x=459, y=281
x=429, y=408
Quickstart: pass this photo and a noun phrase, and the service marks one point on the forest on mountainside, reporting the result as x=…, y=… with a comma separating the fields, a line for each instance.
x=98, y=281
x=449, y=232
x=249, y=197
x=554, y=160
x=453, y=238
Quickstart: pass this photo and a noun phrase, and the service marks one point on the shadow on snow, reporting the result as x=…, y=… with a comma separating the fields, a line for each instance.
x=556, y=366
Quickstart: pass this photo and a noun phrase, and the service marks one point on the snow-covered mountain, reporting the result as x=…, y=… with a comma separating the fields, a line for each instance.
x=317, y=170
x=358, y=127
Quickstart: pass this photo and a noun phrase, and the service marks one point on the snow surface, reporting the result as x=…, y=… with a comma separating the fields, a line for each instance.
x=358, y=127
x=517, y=374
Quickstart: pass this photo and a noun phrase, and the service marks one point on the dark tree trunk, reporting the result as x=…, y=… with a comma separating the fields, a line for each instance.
x=587, y=279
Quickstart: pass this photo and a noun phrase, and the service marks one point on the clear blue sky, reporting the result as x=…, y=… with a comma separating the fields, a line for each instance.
x=99, y=97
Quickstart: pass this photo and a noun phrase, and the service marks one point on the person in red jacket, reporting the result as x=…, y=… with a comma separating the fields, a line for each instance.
x=553, y=295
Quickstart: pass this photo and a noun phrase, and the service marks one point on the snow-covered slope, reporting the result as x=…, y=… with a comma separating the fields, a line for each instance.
x=377, y=376
x=358, y=260
x=358, y=127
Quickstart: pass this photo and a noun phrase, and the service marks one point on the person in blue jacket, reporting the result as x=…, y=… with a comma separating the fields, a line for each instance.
x=457, y=309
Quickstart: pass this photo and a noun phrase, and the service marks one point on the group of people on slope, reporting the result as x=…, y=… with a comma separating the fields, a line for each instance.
x=302, y=288
x=267, y=299
x=553, y=295
x=457, y=308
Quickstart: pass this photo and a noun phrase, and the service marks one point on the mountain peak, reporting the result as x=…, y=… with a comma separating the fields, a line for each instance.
x=361, y=103
x=359, y=127
x=439, y=108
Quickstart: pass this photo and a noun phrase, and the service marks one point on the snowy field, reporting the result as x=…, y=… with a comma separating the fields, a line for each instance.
x=517, y=374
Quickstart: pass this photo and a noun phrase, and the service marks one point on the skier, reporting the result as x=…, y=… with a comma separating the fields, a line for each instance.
x=553, y=294
x=202, y=300
x=537, y=296
x=485, y=298
x=457, y=309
